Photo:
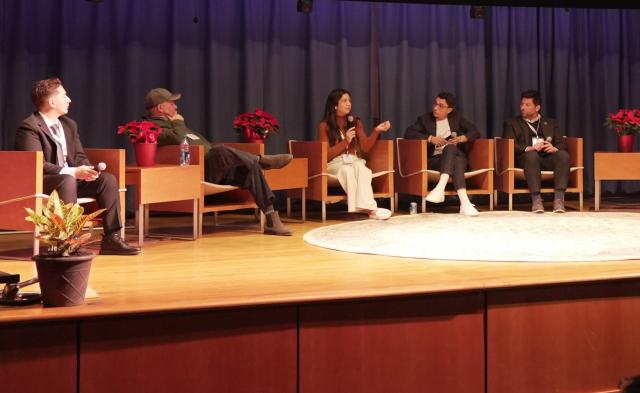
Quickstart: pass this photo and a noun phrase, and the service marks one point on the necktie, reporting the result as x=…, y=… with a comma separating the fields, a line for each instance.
x=60, y=154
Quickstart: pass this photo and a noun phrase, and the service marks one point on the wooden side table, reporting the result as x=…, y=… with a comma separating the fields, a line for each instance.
x=163, y=183
x=614, y=166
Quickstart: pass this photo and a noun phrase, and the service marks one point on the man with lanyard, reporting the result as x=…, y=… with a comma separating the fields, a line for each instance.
x=539, y=145
x=66, y=167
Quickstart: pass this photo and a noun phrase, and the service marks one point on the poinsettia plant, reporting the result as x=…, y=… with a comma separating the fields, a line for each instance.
x=624, y=122
x=142, y=131
x=256, y=125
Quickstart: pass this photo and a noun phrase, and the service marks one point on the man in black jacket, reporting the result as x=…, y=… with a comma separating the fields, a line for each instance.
x=539, y=145
x=449, y=137
x=66, y=167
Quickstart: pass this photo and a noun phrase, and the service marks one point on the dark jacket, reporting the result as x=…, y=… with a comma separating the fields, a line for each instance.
x=517, y=129
x=34, y=135
x=173, y=132
x=426, y=125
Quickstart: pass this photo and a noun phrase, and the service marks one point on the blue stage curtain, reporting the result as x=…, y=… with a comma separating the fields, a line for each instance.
x=394, y=58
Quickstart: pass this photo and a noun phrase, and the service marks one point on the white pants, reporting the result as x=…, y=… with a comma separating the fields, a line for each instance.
x=355, y=179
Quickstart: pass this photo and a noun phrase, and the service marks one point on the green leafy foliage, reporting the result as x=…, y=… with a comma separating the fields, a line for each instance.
x=61, y=224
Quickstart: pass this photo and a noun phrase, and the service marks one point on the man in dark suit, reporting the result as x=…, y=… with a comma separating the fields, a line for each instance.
x=539, y=145
x=66, y=167
x=449, y=137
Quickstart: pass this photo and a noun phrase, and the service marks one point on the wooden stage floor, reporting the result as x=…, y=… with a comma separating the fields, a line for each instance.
x=234, y=265
x=553, y=323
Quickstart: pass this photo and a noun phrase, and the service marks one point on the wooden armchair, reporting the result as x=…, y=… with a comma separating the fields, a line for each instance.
x=221, y=197
x=414, y=177
x=325, y=187
x=116, y=163
x=25, y=178
x=511, y=180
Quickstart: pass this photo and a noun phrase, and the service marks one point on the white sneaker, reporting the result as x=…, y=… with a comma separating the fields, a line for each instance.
x=380, y=214
x=435, y=197
x=468, y=210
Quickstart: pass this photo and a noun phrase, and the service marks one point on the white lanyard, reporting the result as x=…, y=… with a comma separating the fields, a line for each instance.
x=535, y=130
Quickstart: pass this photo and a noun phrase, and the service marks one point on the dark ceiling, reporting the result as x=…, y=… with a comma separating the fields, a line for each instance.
x=628, y=4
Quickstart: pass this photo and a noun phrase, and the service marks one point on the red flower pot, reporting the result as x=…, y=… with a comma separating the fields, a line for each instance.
x=625, y=143
x=146, y=153
x=255, y=140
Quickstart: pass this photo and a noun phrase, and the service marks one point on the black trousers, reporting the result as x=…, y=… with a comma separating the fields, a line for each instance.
x=533, y=162
x=104, y=189
x=227, y=165
x=453, y=162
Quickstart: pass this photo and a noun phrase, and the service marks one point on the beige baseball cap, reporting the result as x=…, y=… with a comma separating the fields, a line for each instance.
x=159, y=95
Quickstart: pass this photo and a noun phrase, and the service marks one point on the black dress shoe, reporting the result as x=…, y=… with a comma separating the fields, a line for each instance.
x=114, y=245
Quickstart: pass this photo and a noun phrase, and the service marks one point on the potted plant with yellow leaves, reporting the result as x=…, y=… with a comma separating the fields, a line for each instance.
x=63, y=270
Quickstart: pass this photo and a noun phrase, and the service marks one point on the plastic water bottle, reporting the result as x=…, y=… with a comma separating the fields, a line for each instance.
x=185, y=156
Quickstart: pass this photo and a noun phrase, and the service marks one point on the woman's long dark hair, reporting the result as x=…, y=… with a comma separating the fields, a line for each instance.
x=330, y=114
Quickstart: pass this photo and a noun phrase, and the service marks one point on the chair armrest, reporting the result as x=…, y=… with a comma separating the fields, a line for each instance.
x=114, y=158
x=411, y=156
x=504, y=154
x=380, y=157
x=253, y=148
x=481, y=155
x=574, y=147
x=315, y=152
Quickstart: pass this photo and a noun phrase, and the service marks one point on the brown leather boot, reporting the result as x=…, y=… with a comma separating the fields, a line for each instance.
x=536, y=204
x=275, y=227
x=274, y=161
x=558, y=206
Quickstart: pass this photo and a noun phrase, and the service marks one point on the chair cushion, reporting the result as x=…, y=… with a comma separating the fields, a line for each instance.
x=212, y=188
x=332, y=180
x=546, y=175
x=433, y=176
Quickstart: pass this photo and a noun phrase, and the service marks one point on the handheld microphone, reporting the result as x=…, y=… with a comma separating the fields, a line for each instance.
x=101, y=167
x=351, y=121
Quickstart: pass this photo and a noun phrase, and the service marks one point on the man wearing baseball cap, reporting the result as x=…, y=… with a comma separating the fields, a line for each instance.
x=223, y=164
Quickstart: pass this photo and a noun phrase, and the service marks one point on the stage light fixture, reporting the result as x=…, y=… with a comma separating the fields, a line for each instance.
x=476, y=12
x=305, y=6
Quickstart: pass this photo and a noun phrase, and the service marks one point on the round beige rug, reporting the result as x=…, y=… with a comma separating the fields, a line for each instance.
x=492, y=236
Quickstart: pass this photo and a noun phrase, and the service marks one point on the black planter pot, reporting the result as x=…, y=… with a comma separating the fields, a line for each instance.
x=63, y=280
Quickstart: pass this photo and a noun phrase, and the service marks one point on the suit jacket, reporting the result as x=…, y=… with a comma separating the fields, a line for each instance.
x=517, y=129
x=34, y=135
x=426, y=126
